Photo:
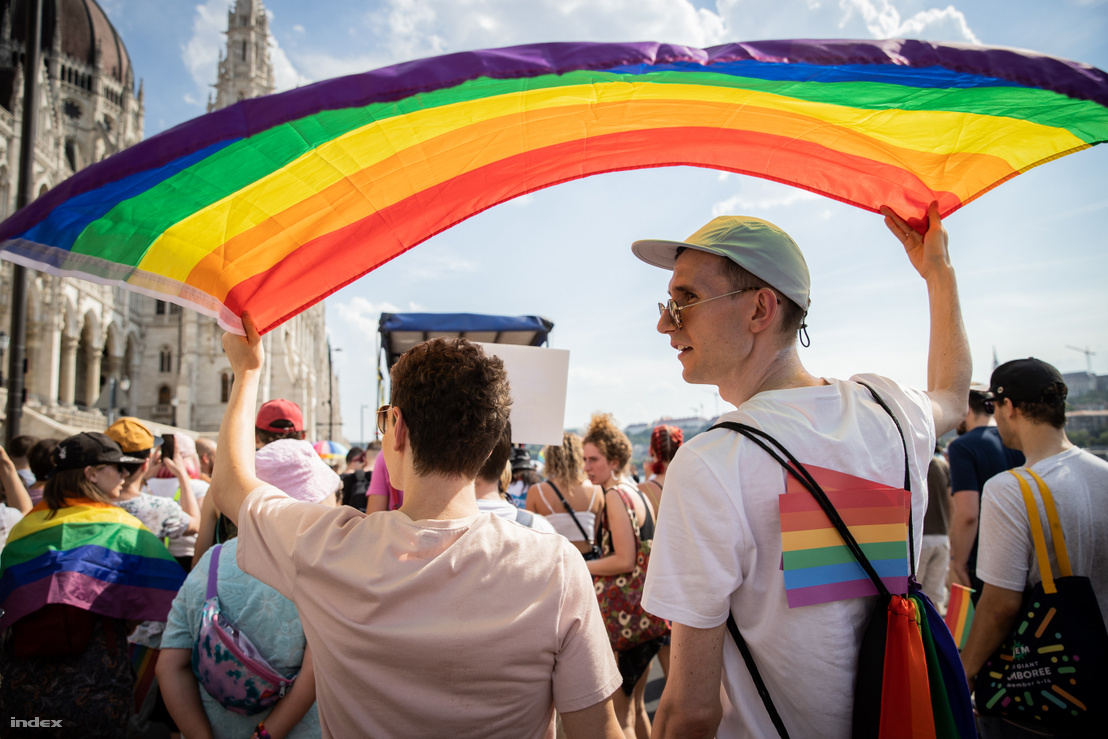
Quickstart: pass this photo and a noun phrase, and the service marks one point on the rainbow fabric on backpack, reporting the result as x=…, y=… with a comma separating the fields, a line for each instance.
x=91, y=555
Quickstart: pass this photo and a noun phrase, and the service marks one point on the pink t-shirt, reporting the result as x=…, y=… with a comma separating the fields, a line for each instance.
x=380, y=484
x=475, y=627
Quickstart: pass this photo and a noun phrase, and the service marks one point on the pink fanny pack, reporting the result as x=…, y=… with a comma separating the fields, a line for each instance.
x=226, y=662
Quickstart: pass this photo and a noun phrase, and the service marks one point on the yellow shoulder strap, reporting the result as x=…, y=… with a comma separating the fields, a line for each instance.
x=1036, y=534
x=1055, y=527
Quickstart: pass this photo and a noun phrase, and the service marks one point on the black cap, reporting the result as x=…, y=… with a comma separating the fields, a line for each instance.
x=88, y=449
x=521, y=460
x=1027, y=380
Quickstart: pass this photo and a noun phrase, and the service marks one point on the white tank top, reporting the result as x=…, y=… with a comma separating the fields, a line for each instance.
x=563, y=522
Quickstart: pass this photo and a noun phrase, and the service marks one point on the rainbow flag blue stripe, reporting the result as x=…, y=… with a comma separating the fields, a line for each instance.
x=90, y=555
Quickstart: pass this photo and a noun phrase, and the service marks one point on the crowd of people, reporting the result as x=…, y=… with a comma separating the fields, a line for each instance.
x=446, y=585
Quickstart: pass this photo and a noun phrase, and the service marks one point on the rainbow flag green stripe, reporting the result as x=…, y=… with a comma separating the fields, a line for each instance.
x=273, y=203
x=89, y=555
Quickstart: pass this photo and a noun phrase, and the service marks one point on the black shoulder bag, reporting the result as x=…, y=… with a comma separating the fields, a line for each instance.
x=594, y=549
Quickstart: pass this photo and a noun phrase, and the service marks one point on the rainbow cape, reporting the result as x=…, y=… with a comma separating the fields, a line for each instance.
x=819, y=568
x=91, y=555
x=276, y=202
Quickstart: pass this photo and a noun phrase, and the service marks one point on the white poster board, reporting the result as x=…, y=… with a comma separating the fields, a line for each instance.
x=538, y=377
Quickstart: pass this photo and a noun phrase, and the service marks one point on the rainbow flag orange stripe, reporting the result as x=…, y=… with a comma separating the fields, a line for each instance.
x=818, y=566
x=274, y=203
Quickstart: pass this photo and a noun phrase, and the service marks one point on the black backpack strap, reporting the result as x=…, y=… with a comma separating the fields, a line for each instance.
x=569, y=510
x=907, y=473
x=751, y=665
x=798, y=471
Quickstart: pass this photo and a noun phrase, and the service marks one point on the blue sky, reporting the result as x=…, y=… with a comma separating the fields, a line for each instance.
x=1030, y=255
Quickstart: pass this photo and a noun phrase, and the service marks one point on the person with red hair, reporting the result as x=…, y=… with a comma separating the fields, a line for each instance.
x=664, y=441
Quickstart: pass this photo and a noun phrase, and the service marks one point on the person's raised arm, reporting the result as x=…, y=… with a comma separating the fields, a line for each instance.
x=188, y=503
x=949, y=364
x=234, y=476
x=17, y=495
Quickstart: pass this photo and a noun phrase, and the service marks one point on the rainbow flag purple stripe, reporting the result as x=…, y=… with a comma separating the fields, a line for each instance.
x=90, y=555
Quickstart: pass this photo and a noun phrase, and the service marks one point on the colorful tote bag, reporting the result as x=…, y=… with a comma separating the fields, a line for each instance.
x=1050, y=671
x=620, y=596
x=226, y=662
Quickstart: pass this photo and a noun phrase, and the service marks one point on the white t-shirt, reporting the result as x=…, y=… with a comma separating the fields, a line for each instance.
x=8, y=517
x=166, y=487
x=1078, y=482
x=717, y=547
x=509, y=512
x=475, y=627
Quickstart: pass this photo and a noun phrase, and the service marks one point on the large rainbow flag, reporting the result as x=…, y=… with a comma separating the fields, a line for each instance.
x=91, y=555
x=274, y=203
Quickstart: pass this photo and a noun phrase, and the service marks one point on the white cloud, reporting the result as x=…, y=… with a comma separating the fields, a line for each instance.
x=428, y=263
x=201, y=53
x=760, y=196
x=360, y=316
x=882, y=19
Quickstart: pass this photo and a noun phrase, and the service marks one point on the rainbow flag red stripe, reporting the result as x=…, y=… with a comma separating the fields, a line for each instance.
x=276, y=202
x=959, y=613
x=90, y=555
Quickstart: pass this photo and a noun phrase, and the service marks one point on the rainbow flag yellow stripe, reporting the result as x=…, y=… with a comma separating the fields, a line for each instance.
x=274, y=203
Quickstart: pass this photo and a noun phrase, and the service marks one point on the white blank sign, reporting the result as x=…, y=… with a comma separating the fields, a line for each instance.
x=538, y=377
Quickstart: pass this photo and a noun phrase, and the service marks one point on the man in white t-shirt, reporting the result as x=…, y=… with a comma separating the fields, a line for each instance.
x=1029, y=396
x=434, y=619
x=739, y=298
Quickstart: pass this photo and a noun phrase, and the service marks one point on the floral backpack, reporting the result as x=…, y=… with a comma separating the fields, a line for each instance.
x=226, y=662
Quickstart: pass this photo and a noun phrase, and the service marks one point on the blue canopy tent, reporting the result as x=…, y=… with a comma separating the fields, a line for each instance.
x=399, y=332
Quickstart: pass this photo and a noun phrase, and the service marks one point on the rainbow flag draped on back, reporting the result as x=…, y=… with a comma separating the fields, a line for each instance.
x=276, y=202
x=91, y=555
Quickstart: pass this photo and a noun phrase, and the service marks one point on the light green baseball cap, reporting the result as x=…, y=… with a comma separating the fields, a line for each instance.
x=757, y=246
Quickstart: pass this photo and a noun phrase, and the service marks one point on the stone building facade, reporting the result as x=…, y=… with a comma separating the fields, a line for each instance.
x=97, y=351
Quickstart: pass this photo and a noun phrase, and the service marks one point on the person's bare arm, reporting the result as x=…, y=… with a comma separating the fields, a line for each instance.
x=234, y=476
x=14, y=490
x=993, y=620
x=690, y=705
x=963, y=532
x=949, y=364
x=624, y=542
x=288, y=711
x=181, y=693
x=205, y=537
x=598, y=720
x=188, y=499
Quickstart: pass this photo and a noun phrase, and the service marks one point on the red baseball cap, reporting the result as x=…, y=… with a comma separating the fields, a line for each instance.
x=279, y=416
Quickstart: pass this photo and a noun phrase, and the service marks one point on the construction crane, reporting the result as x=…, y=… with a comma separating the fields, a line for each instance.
x=1088, y=356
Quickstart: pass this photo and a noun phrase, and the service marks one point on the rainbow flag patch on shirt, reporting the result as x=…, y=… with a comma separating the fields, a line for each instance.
x=819, y=567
